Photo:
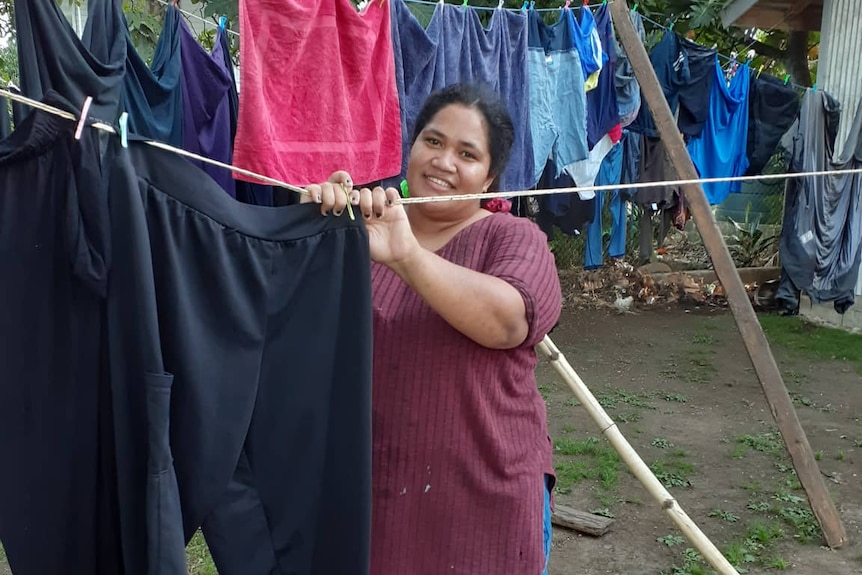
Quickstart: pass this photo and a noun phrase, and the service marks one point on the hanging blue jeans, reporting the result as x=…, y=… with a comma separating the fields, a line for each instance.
x=609, y=174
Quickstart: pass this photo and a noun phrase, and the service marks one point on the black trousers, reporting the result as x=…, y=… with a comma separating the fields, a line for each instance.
x=241, y=375
x=175, y=359
x=57, y=487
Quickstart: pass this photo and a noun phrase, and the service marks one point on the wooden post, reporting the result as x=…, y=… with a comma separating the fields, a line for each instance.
x=746, y=320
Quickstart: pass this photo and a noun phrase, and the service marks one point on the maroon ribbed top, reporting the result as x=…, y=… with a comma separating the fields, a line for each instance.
x=460, y=431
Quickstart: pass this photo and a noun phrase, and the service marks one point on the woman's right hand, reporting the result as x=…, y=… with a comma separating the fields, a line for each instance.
x=332, y=195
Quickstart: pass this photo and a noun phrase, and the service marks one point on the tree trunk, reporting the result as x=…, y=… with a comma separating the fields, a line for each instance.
x=796, y=58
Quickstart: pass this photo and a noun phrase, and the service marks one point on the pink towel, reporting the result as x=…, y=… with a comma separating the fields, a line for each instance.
x=318, y=91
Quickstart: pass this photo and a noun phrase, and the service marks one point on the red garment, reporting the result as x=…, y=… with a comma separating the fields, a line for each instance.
x=460, y=431
x=498, y=205
x=616, y=133
x=318, y=92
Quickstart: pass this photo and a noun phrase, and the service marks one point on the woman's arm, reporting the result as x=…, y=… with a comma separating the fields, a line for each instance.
x=484, y=308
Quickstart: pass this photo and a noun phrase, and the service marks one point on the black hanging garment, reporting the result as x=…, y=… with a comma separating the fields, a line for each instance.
x=57, y=496
x=51, y=57
x=246, y=192
x=241, y=375
x=772, y=109
x=568, y=212
x=152, y=95
x=821, y=237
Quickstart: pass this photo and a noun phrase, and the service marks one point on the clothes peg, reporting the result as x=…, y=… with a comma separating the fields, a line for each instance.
x=568, y=3
x=670, y=27
x=532, y=4
x=500, y=5
x=524, y=7
x=586, y=2
x=464, y=4
x=814, y=87
x=635, y=9
x=222, y=22
x=124, y=129
x=786, y=79
x=83, y=119
x=760, y=70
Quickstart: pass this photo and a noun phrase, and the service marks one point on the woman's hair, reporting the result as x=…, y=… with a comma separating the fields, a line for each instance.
x=501, y=131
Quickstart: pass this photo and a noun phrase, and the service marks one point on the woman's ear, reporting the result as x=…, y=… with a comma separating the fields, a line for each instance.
x=488, y=183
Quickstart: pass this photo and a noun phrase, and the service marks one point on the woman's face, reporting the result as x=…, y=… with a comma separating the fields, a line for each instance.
x=451, y=155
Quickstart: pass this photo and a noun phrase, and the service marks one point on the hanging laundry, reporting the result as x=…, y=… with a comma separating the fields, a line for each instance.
x=589, y=45
x=568, y=212
x=584, y=172
x=603, y=112
x=720, y=150
x=626, y=84
x=206, y=82
x=609, y=174
x=821, y=236
x=5, y=117
x=659, y=201
x=306, y=112
x=246, y=192
x=51, y=57
x=686, y=72
x=56, y=491
x=558, y=116
x=772, y=108
x=152, y=95
x=457, y=48
x=271, y=445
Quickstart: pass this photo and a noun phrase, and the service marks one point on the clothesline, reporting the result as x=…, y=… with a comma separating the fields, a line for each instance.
x=575, y=4
x=720, y=55
x=197, y=17
x=430, y=3
x=100, y=125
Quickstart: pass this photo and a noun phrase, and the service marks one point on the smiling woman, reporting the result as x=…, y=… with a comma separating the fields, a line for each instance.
x=461, y=296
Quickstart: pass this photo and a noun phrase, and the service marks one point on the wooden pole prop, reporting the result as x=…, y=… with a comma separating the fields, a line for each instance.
x=634, y=462
x=746, y=320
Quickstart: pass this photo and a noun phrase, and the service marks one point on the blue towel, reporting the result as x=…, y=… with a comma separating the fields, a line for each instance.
x=720, y=151
x=152, y=95
x=457, y=48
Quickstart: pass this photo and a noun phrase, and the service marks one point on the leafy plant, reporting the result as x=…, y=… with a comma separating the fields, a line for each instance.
x=749, y=244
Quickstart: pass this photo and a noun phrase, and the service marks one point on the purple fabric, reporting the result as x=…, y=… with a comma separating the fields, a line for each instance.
x=206, y=83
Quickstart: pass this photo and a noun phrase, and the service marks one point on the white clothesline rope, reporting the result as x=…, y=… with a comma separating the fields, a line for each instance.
x=202, y=19
x=100, y=125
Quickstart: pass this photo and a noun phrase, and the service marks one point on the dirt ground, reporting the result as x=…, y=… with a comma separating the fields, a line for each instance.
x=681, y=387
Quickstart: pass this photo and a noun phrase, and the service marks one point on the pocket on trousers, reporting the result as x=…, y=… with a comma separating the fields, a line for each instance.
x=165, y=538
x=158, y=388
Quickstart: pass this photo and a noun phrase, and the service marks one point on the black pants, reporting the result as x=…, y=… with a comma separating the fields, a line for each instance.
x=57, y=493
x=241, y=367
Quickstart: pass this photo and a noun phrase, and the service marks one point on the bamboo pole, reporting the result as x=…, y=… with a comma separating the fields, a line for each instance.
x=634, y=462
x=749, y=326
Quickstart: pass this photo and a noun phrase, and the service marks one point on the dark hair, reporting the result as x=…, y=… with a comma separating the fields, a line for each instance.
x=501, y=131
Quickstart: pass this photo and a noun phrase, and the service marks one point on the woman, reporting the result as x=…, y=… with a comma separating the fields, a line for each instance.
x=462, y=459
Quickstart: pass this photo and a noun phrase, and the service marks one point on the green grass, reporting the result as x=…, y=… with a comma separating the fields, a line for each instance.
x=814, y=341
x=198, y=558
x=590, y=458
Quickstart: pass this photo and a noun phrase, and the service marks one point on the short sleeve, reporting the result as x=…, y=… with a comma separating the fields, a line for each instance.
x=518, y=253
